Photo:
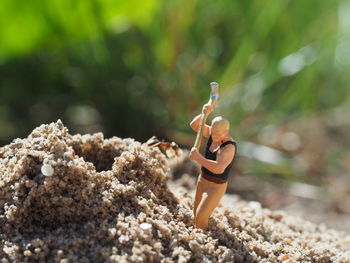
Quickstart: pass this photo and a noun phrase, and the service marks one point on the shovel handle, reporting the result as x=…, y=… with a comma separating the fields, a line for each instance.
x=202, y=121
x=214, y=94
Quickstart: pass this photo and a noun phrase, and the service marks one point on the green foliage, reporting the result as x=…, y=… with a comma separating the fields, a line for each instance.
x=137, y=68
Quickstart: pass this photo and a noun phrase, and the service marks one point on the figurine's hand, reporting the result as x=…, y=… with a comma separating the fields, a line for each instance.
x=208, y=107
x=194, y=154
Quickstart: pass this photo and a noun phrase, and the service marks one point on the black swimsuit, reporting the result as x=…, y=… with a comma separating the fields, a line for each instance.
x=212, y=156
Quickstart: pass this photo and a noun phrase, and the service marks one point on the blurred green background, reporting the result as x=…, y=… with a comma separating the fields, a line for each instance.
x=142, y=68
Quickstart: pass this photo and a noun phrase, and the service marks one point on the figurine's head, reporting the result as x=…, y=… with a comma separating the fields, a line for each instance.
x=220, y=128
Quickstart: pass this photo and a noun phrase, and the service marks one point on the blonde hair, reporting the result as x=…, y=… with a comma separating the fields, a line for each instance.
x=220, y=123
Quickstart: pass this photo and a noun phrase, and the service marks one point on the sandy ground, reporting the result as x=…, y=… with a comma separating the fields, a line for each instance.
x=83, y=198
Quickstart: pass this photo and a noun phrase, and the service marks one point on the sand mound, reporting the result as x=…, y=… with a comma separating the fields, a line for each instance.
x=67, y=198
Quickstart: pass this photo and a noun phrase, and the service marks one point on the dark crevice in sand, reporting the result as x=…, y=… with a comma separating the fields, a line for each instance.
x=102, y=159
x=96, y=153
x=34, y=165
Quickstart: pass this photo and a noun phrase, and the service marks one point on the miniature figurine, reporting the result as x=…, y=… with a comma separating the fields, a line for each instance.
x=169, y=149
x=216, y=165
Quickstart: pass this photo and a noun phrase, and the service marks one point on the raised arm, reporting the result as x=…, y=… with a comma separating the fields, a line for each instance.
x=195, y=122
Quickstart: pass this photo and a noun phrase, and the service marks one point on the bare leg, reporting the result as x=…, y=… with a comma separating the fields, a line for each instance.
x=209, y=202
x=198, y=196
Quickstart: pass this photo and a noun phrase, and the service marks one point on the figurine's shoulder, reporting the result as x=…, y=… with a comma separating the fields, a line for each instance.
x=228, y=141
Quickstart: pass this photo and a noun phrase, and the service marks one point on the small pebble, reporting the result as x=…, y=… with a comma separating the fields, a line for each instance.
x=283, y=258
x=27, y=253
x=146, y=226
x=47, y=170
